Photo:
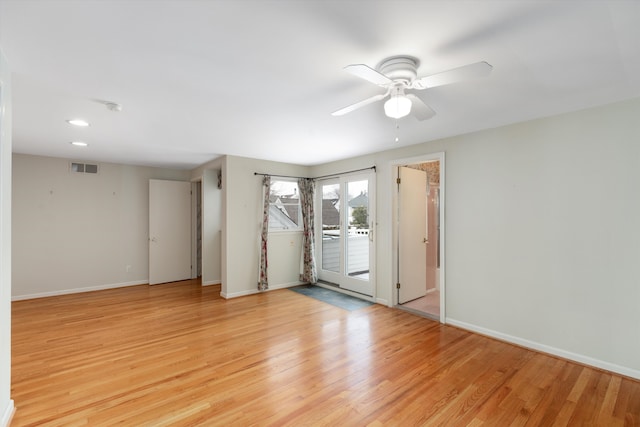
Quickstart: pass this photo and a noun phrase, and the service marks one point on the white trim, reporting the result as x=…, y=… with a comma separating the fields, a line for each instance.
x=347, y=292
x=256, y=291
x=239, y=294
x=7, y=414
x=287, y=231
x=79, y=290
x=212, y=282
x=341, y=277
x=586, y=360
x=299, y=228
x=194, y=226
x=382, y=301
x=393, y=165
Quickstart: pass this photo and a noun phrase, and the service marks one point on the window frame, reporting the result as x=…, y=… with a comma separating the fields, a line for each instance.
x=298, y=227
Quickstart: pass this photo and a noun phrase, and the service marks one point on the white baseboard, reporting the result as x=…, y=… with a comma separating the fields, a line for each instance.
x=79, y=290
x=382, y=301
x=256, y=291
x=212, y=282
x=7, y=414
x=586, y=360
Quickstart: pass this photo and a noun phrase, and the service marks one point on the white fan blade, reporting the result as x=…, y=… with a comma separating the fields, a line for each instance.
x=419, y=109
x=467, y=72
x=369, y=74
x=357, y=105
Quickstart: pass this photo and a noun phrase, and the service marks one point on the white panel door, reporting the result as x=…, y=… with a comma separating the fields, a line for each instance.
x=169, y=231
x=412, y=234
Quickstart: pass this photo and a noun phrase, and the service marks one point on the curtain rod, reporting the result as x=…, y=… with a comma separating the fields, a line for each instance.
x=317, y=177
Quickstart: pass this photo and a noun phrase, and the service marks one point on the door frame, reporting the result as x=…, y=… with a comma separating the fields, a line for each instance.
x=339, y=285
x=195, y=210
x=393, y=165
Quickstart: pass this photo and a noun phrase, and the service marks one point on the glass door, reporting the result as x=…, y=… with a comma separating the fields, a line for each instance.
x=330, y=252
x=346, y=229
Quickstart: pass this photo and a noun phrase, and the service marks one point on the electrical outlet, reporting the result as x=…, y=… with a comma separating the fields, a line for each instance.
x=128, y=268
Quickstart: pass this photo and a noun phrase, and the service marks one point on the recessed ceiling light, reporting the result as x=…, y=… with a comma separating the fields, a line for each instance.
x=79, y=144
x=78, y=122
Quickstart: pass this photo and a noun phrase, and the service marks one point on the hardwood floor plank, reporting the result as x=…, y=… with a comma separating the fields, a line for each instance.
x=180, y=355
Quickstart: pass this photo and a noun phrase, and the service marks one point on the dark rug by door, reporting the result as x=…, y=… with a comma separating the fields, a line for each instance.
x=346, y=302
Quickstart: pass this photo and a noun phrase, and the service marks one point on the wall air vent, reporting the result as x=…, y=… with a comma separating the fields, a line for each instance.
x=84, y=168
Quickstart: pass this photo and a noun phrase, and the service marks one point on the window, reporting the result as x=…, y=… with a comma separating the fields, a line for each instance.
x=284, y=206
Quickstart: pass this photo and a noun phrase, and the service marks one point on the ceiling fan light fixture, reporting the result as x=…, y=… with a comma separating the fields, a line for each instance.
x=397, y=106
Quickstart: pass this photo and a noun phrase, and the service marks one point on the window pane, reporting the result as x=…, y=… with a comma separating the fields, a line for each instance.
x=331, y=227
x=357, y=259
x=284, y=209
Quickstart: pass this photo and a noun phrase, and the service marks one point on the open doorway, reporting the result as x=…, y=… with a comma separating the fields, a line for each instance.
x=206, y=230
x=419, y=236
x=196, y=229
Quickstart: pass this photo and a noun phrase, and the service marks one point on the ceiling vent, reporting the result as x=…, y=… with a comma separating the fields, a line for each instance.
x=84, y=168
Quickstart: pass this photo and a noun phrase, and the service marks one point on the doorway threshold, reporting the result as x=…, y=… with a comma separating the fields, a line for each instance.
x=418, y=313
x=337, y=288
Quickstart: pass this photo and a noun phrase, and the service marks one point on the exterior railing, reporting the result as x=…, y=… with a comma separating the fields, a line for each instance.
x=357, y=251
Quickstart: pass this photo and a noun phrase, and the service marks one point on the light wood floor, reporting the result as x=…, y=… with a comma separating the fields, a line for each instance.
x=180, y=355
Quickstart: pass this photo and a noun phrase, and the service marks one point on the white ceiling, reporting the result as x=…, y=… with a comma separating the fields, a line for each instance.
x=259, y=78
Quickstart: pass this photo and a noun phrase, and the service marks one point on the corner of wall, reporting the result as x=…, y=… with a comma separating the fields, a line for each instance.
x=5, y=242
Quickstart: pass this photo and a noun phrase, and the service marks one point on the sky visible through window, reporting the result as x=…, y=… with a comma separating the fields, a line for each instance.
x=288, y=188
x=355, y=188
x=284, y=188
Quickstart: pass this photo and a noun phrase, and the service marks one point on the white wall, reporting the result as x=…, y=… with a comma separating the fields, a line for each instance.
x=6, y=404
x=241, y=239
x=559, y=204
x=542, y=232
x=285, y=251
x=75, y=232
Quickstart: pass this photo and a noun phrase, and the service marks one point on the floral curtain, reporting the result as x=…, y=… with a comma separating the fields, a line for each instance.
x=263, y=283
x=307, y=188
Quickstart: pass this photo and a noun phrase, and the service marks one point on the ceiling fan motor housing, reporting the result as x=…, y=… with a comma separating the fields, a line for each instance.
x=403, y=68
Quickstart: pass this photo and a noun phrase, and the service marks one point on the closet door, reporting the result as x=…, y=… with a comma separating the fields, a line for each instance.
x=169, y=231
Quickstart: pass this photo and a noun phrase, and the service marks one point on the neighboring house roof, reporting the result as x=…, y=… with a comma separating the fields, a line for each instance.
x=284, y=208
x=278, y=219
x=330, y=215
x=360, y=200
x=290, y=205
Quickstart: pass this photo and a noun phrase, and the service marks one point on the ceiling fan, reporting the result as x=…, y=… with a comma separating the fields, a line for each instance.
x=398, y=74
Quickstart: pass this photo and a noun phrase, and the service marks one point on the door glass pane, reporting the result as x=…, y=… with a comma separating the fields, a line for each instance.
x=357, y=247
x=331, y=227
